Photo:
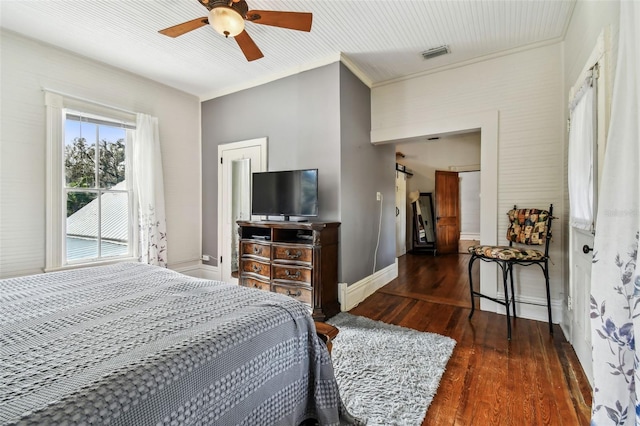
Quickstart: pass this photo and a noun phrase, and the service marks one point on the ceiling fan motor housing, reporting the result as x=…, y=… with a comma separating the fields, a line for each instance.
x=241, y=6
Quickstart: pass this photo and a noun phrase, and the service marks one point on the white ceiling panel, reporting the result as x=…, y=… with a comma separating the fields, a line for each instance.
x=381, y=39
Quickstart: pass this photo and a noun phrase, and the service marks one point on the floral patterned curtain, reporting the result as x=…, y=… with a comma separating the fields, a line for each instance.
x=149, y=187
x=615, y=282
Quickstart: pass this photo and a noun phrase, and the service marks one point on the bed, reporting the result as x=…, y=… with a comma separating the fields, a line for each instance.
x=133, y=344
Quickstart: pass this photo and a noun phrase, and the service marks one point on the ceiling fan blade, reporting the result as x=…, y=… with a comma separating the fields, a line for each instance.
x=300, y=21
x=185, y=27
x=248, y=46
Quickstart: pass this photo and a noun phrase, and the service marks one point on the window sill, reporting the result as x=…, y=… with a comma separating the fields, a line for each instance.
x=86, y=265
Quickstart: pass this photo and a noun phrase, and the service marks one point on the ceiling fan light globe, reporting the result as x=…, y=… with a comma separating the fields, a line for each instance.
x=226, y=21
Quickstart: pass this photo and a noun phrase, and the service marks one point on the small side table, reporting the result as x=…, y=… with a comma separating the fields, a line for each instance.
x=327, y=333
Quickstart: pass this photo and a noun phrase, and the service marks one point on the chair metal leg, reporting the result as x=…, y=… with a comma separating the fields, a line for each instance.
x=505, y=275
x=513, y=292
x=473, y=304
x=546, y=279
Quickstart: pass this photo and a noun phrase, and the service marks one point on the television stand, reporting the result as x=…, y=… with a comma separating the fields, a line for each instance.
x=297, y=259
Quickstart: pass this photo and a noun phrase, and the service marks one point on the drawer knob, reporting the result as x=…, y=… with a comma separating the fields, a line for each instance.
x=294, y=294
x=290, y=275
x=255, y=268
x=586, y=249
x=256, y=250
x=294, y=255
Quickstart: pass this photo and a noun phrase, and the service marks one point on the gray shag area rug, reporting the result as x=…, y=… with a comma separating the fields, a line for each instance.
x=387, y=374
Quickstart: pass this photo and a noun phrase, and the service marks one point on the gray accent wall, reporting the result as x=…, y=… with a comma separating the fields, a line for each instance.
x=310, y=123
x=365, y=170
x=300, y=118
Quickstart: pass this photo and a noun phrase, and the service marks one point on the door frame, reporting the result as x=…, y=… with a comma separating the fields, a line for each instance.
x=401, y=214
x=250, y=143
x=487, y=123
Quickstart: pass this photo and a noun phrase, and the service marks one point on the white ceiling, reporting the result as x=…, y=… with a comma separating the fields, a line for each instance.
x=379, y=40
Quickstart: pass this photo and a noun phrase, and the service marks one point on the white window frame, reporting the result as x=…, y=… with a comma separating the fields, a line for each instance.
x=57, y=106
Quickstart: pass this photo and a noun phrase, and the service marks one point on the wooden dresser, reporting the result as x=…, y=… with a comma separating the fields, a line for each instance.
x=299, y=259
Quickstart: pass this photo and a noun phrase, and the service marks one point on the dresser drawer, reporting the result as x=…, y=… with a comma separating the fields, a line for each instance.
x=256, y=249
x=256, y=267
x=255, y=283
x=292, y=273
x=299, y=293
x=295, y=259
x=293, y=253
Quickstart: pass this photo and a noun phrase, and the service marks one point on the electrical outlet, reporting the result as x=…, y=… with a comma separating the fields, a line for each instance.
x=205, y=258
x=378, y=196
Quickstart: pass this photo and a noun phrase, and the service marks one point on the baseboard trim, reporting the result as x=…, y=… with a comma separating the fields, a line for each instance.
x=209, y=272
x=197, y=269
x=190, y=267
x=534, y=308
x=350, y=296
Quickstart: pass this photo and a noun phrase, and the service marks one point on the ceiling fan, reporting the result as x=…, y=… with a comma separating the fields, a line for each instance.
x=227, y=17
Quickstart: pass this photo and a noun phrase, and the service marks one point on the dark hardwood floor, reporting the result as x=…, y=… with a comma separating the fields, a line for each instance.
x=534, y=379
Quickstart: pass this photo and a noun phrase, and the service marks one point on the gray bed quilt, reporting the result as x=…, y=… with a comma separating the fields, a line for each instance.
x=133, y=344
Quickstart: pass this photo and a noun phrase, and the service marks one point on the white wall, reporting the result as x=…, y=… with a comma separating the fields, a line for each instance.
x=526, y=89
x=469, y=205
x=27, y=68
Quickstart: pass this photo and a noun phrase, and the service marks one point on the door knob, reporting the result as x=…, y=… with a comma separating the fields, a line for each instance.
x=586, y=249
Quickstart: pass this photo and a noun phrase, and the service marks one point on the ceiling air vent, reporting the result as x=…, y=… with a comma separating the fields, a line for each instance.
x=436, y=51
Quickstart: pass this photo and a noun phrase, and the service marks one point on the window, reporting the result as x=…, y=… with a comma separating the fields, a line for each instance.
x=588, y=127
x=95, y=189
x=90, y=201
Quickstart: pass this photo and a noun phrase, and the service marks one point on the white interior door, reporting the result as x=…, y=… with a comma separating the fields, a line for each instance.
x=580, y=277
x=401, y=214
x=237, y=162
x=582, y=240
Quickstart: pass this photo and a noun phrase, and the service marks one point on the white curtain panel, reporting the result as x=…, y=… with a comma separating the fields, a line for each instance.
x=149, y=187
x=581, y=160
x=615, y=283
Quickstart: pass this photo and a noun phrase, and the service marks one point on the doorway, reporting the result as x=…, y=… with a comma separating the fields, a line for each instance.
x=427, y=157
x=237, y=162
x=486, y=122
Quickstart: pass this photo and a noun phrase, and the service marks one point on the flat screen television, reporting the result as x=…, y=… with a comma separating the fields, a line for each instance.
x=285, y=193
